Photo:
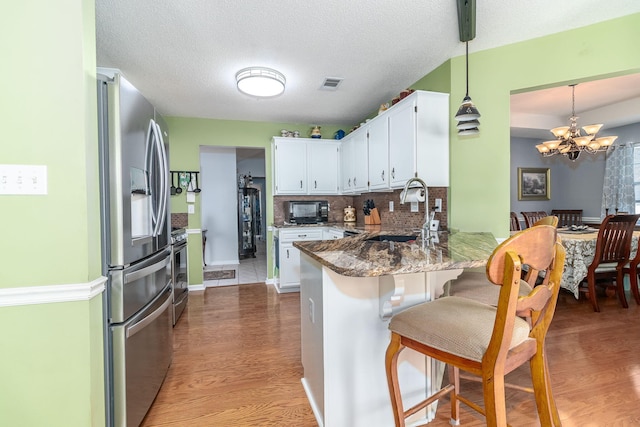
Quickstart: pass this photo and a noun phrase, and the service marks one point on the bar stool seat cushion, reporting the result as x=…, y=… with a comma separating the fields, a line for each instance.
x=454, y=325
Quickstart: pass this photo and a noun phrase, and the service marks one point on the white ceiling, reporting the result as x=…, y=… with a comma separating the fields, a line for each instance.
x=612, y=102
x=183, y=55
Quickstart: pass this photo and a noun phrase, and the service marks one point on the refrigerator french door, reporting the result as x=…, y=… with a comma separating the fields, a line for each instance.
x=136, y=255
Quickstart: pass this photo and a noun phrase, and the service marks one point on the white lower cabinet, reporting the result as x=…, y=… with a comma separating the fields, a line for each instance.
x=289, y=256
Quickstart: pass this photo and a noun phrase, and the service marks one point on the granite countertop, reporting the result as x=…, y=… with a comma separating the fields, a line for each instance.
x=357, y=256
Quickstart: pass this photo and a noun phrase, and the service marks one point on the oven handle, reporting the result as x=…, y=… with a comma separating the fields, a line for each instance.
x=138, y=326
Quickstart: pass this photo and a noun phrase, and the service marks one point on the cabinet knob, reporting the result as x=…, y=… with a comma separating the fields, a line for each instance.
x=393, y=173
x=349, y=185
x=315, y=184
x=382, y=175
x=354, y=182
x=300, y=183
x=287, y=253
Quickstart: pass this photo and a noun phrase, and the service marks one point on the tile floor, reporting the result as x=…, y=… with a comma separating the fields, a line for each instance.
x=250, y=270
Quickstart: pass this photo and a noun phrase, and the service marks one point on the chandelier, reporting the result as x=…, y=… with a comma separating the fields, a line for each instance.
x=569, y=140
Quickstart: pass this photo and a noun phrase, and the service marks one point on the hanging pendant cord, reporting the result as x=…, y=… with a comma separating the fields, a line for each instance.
x=467, y=61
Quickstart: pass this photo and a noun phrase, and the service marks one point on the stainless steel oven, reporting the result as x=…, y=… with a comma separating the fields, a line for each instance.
x=179, y=272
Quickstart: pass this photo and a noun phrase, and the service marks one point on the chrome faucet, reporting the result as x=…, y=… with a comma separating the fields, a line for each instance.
x=426, y=233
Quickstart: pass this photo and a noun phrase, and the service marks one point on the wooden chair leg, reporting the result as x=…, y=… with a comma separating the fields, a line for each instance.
x=494, y=400
x=454, y=379
x=552, y=401
x=542, y=389
x=391, y=365
x=620, y=288
x=591, y=282
x=633, y=280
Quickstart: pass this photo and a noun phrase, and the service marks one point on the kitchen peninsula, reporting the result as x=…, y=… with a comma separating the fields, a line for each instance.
x=349, y=289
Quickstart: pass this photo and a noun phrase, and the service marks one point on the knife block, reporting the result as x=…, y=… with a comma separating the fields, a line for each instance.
x=373, y=218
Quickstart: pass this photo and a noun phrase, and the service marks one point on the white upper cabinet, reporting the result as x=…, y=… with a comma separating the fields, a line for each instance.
x=347, y=166
x=290, y=166
x=323, y=160
x=408, y=140
x=305, y=166
x=355, y=168
x=378, y=143
x=402, y=147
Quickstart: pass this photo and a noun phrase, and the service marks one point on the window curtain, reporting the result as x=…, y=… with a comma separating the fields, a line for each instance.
x=617, y=192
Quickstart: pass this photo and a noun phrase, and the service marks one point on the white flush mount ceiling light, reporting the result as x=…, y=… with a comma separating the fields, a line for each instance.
x=261, y=82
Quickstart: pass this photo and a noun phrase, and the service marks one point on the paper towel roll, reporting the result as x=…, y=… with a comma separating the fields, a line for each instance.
x=413, y=195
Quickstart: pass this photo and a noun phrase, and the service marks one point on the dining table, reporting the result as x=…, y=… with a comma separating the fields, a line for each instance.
x=580, y=247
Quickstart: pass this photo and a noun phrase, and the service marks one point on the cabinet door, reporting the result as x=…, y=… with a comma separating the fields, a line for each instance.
x=323, y=164
x=378, y=145
x=402, y=140
x=432, y=140
x=346, y=165
x=290, y=167
x=360, y=161
x=289, y=265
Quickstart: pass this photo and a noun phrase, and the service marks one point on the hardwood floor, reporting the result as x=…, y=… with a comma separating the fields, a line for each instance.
x=237, y=363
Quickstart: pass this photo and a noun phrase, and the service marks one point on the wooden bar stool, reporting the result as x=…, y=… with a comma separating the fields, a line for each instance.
x=484, y=340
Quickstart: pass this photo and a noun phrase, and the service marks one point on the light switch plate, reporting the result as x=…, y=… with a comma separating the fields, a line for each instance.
x=390, y=205
x=191, y=197
x=23, y=179
x=191, y=209
x=414, y=207
x=434, y=224
x=438, y=205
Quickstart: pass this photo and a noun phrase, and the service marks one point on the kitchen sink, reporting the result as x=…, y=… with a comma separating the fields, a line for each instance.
x=392, y=238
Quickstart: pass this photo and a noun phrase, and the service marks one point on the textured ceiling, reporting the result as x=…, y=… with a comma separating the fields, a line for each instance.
x=183, y=55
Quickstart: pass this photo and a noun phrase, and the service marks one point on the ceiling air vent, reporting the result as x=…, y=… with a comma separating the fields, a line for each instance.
x=330, y=83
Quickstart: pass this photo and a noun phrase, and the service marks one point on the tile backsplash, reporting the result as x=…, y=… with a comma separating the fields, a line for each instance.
x=401, y=217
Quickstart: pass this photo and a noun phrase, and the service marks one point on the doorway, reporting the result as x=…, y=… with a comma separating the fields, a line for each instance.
x=224, y=171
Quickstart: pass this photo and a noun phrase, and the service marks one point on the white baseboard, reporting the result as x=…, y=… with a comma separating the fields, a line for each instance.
x=196, y=288
x=48, y=294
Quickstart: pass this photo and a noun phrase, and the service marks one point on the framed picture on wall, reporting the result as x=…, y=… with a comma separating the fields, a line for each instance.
x=534, y=184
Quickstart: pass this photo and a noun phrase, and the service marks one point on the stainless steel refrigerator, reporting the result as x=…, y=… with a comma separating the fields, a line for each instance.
x=134, y=186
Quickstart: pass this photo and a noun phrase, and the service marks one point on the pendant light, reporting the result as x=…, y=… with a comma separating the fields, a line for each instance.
x=467, y=115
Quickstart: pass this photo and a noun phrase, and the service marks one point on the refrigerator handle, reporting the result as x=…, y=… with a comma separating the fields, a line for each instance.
x=164, y=162
x=137, y=327
x=148, y=160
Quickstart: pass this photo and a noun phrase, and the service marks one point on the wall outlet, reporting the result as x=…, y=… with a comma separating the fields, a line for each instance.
x=438, y=205
x=191, y=209
x=390, y=205
x=414, y=207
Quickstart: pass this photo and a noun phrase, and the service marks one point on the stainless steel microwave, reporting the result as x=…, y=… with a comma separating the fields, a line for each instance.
x=306, y=211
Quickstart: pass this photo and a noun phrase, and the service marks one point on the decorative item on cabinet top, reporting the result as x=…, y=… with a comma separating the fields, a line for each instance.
x=187, y=180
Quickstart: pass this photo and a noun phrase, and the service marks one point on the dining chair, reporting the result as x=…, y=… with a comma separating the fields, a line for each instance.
x=483, y=340
x=613, y=245
x=568, y=217
x=532, y=217
x=547, y=220
x=515, y=222
x=632, y=269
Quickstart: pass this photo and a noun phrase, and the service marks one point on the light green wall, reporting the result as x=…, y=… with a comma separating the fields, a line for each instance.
x=186, y=137
x=480, y=184
x=51, y=360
